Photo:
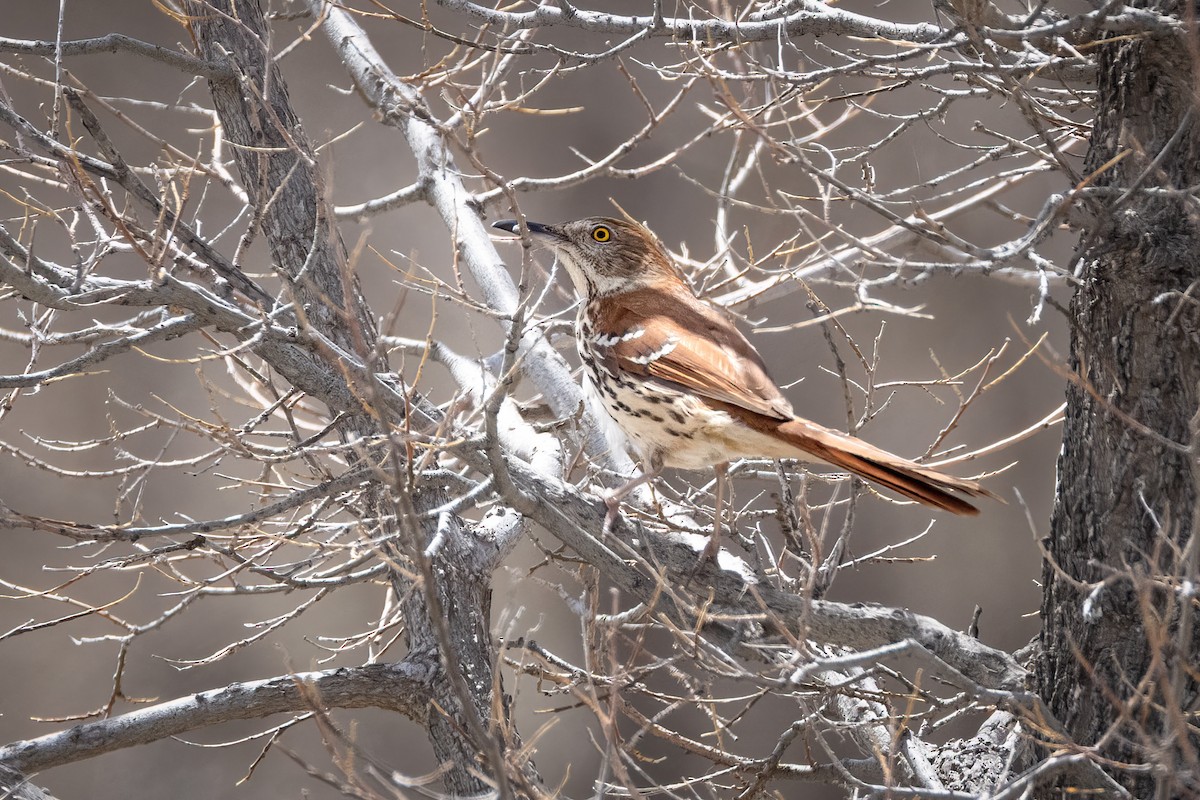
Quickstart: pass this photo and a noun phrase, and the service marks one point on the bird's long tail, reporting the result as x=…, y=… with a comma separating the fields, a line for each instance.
x=923, y=484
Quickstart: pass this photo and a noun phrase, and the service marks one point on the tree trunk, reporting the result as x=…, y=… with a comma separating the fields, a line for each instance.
x=1116, y=640
x=449, y=608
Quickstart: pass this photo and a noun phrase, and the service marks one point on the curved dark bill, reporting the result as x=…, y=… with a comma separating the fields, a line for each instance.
x=512, y=226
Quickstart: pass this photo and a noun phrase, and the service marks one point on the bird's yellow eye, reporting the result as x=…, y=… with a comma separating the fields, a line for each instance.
x=601, y=233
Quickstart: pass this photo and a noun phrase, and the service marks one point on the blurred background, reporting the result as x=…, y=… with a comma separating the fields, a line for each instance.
x=54, y=674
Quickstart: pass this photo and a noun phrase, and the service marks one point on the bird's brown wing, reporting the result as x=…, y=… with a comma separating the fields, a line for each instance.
x=689, y=344
x=692, y=346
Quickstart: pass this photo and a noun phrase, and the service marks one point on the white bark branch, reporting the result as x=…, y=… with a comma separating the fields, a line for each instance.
x=403, y=107
x=396, y=687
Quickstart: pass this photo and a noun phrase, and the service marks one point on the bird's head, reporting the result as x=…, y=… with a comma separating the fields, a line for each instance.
x=603, y=255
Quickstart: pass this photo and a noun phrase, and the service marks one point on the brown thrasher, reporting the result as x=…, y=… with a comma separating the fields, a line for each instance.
x=683, y=384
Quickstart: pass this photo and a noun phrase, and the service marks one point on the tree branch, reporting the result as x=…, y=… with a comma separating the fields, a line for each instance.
x=120, y=43
x=403, y=688
x=664, y=560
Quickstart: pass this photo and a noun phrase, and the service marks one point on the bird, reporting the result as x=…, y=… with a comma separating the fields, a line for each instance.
x=682, y=383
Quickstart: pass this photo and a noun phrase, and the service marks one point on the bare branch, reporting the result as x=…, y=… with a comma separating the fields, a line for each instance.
x=397, y=687
x=119, y=43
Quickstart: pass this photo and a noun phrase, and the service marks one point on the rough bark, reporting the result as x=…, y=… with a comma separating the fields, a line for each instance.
x=16, y=786
x=455, y=609
x=1116, y=640
x=279, y=168
x=403, y=688
x=281, y=174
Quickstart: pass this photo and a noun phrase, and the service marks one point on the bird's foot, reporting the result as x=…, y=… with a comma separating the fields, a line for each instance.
x=707, y=556
x=712, y=548
x=612, y=500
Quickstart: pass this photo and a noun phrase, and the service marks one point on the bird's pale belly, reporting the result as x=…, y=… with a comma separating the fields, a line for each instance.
x=673, y=429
